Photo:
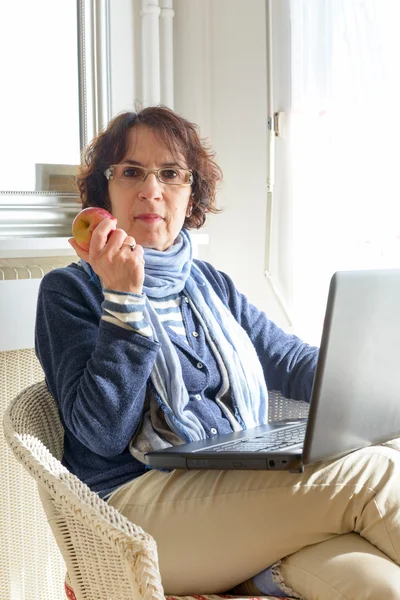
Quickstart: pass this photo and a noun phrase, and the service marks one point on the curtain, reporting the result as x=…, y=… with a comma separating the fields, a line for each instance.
x=343, y=136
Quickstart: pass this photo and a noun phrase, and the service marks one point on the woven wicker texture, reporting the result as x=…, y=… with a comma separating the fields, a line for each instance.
x=224, y=596
x=31, y=566
x=281, y=408
x=106, y=555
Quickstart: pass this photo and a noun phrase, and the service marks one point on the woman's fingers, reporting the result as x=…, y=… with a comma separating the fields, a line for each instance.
x=130, y=242
x=115, y=257
x=80, y=252
x=102, y=235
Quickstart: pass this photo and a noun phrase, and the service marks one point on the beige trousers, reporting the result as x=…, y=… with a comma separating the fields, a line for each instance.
x=216, y=529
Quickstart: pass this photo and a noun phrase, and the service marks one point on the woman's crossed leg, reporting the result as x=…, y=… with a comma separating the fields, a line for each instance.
x=215, y=529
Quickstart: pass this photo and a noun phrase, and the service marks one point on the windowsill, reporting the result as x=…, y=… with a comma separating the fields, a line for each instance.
x=41, y=247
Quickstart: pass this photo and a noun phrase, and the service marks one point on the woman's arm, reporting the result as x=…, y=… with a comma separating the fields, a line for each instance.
x=96, y=370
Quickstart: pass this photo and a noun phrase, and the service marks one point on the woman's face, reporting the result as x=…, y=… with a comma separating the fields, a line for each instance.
x=151, y=212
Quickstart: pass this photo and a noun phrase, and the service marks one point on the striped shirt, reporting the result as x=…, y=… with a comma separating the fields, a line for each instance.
x=127, y=310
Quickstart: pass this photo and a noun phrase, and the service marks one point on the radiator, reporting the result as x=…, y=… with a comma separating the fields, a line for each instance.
x=18, y=272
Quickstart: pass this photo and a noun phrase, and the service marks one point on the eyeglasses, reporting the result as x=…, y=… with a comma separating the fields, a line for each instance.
x=132, y=174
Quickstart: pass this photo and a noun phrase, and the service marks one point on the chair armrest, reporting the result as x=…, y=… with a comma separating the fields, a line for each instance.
x=106, y=555
x=281, y=408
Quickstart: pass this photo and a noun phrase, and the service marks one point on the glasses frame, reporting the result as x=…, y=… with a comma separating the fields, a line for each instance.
x=109, y=174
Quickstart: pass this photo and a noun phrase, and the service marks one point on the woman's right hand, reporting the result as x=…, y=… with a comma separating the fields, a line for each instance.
x=119, y=267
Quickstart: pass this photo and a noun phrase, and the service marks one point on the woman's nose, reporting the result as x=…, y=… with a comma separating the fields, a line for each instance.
x=150, y=187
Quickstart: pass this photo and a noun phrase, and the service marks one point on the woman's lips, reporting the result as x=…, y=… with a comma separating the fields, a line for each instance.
x=148, y=217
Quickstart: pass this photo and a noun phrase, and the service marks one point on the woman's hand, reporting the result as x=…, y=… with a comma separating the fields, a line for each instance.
x=119, y=267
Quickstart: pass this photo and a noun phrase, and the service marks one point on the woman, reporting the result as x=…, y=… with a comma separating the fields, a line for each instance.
x=143, y=347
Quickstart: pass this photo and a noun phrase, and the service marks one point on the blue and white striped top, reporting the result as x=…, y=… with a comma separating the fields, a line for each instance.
x=126, y=310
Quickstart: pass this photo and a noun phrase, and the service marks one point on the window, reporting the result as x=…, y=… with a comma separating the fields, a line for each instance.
x=342, y=136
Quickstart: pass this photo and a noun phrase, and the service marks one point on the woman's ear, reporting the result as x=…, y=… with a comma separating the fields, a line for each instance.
x=189, y=209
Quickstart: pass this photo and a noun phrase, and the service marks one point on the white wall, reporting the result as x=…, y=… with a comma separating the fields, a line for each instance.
x=220, y=84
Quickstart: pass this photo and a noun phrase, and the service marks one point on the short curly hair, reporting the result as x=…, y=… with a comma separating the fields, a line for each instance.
x=179, y=135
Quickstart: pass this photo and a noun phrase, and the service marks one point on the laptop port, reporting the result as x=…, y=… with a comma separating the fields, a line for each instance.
x=277, y=464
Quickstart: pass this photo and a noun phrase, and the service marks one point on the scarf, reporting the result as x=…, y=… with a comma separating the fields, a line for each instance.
x=174, y=271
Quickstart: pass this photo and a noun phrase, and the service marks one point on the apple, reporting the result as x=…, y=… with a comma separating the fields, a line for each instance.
x=86, y=222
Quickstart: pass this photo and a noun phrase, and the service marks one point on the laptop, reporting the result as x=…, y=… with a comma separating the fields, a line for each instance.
x=355, y=400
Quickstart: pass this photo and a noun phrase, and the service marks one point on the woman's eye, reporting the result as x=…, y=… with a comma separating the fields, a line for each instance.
x=132, y=172
x=169, y=173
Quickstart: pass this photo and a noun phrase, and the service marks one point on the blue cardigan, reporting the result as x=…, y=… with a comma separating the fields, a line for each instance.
x=98, y=372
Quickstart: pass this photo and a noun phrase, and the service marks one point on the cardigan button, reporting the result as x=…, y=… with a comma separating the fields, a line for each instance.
x=199, y=365
x=213, y=431
x=195, y=334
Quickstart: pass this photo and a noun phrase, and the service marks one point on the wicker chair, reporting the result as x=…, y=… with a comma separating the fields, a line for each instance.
x=107, y=557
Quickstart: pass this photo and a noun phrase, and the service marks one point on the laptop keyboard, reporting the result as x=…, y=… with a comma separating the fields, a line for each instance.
x=267, y=442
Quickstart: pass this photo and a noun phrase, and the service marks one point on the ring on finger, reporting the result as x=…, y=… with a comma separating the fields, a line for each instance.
x=131, y=246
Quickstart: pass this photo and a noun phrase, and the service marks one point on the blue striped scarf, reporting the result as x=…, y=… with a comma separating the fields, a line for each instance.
x=174, y=271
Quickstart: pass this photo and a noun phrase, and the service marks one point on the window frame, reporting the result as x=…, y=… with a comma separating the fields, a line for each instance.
x=44, y=213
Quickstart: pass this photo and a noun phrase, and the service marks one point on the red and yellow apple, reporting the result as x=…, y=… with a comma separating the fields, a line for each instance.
x=86, y=222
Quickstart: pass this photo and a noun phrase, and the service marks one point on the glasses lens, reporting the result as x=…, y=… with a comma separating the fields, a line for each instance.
x=174, y=176
x=128, y=173
x=131, y=174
